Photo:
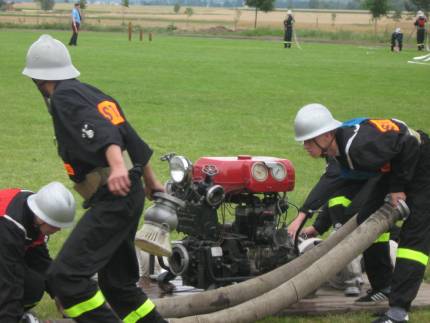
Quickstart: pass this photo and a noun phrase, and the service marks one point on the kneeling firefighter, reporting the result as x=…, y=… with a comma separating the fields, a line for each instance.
x=26, y=221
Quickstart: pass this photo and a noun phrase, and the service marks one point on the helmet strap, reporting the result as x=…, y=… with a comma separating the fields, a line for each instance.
x=324, y=149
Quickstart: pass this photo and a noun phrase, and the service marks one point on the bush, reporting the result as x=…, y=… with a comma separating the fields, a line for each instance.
x=46, y=4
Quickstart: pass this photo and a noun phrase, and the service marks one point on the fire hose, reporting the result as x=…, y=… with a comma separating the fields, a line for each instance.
x=312, y=277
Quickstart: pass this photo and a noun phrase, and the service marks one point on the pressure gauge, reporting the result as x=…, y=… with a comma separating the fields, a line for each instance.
x=259, y=172
x=278, y=171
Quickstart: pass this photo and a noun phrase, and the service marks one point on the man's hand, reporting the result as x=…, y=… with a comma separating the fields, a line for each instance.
x=396, y=196
x=155, y=187
x=295, y=224
x=118, y=181
x=152, y=184
x=309, y=232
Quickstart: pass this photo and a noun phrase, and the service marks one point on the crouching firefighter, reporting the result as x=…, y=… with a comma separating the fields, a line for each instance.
x=388, y=148
x=106, y=159
x=26, y=221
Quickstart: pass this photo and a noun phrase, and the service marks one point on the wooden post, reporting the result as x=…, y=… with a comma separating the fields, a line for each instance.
x=150, y=36
x=141, y=34
x=129, y=31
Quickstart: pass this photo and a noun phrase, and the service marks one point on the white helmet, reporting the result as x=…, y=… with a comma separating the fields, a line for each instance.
x=289, y=12
x=54, y=204
x=313, y=120
x=420, y=13
x=49, y=60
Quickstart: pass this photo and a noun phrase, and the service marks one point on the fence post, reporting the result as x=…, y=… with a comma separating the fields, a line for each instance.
x=129, y=31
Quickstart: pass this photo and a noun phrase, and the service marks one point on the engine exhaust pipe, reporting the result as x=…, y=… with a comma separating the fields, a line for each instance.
x=310, y=279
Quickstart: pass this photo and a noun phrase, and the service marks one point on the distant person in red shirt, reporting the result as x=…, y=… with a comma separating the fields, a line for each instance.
x=420, y=24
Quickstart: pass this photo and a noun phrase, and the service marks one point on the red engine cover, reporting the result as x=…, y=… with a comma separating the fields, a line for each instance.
x=235, y=174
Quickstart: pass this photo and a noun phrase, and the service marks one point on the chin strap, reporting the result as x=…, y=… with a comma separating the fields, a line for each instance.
x=323, y=149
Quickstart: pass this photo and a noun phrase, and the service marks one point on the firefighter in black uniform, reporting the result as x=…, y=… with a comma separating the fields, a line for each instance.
x=397, y=40
x=420, y=24
x=96, y=144
x=288, y=29
x=401, y=156
x=26, y=220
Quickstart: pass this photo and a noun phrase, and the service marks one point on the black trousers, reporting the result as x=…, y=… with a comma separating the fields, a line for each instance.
x=414, y=238
x=21, y=286
x=102, y=242
x=421, y=33
x=287, y=37
x=74, y=39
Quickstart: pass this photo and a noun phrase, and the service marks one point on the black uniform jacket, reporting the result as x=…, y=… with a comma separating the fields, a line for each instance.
x=86, y=122
x=379, y=146
x=330, y=183
x=288, y=23
x=22, y=247
x=327, y=185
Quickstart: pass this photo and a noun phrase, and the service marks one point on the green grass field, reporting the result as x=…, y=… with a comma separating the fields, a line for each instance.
x=202, y=97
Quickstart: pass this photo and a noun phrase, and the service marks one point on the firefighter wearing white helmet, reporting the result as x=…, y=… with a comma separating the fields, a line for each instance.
x=105, y=158
x=49, y=60
x=397, y=159
x=420, y=25
x=26, y=219
x=288, y=29
x=312, y=121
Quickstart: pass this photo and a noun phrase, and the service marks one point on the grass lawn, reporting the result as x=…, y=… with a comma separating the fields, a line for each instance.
x=208, y=97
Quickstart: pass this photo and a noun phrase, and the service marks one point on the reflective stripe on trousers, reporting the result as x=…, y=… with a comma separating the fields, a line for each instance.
x=413, y=255
x=85, y=306
x=139, y=313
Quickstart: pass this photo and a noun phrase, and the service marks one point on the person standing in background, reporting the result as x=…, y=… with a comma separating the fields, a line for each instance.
x=288, y=29
x=420, y=24
x=76, y=23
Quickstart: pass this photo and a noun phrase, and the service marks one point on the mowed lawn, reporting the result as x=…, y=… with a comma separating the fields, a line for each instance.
x=207, y=97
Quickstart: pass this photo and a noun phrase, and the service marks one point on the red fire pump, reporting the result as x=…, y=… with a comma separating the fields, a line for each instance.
x=233, y=218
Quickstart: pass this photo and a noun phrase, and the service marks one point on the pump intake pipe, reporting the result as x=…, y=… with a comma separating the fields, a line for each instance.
x=311, y=278
x=218, y=299
x=160, y=219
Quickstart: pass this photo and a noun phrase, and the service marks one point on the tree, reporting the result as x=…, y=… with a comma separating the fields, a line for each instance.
x=333, y=18
x=124, y=4
x=236, y=18
x=423, y=5
x=82, y=4
x=2, y=4
x=189, y=12
x=377, y=8
x=46, y=4
x=176, y=7
x=263, y=5
x=314, y=4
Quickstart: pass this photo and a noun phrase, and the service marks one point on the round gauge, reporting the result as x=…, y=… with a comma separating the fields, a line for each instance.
x=278, y=171
x=259, y=172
